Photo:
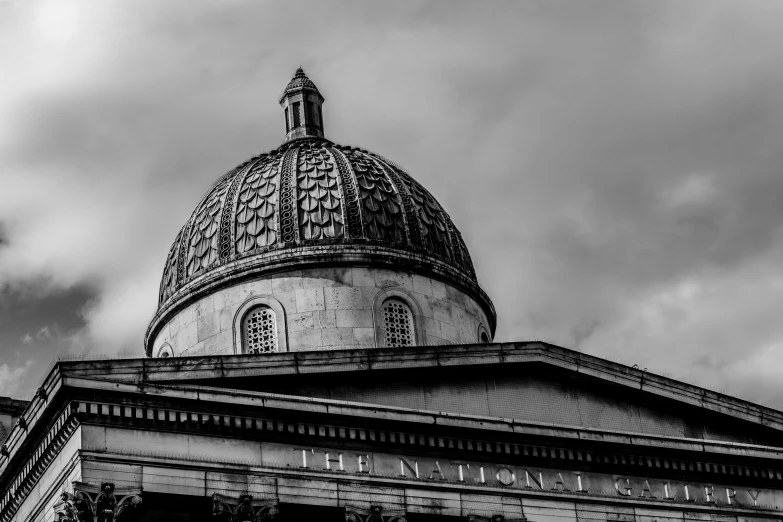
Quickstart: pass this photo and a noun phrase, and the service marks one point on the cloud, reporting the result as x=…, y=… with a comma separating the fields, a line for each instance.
x=12, y=379
x=615, y=168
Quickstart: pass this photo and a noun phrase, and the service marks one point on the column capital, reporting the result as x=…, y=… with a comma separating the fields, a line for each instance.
x=243, y=508
x=375, y=513
x=92, y=503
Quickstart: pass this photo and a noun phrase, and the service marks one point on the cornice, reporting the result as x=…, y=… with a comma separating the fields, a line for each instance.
x=476, y=432
x=455, y=356
x=16, y=487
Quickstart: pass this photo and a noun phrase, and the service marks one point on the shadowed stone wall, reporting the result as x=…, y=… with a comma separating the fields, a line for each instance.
x=324, y=308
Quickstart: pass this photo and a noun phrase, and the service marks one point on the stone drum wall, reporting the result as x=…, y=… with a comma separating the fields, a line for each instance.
x=324, y=308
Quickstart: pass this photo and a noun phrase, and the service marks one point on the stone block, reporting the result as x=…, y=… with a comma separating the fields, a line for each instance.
x=193, y=350
x=203, y=307
x=288, y=302
x=259, y=287
x=324, y=319
x=230, y=297
x=431, y=327
x=329, y=276
x=303, y=340
x=317, y=492
x=207, y=325
x=174, y=481
x=393, y=279
x=455, y=296
x=548, y=511
x=449, y=332
x=288, y=283
x=354, y=318
x=433, y=502
x=438, y=289
x=425, y=304
x=460, y=317
x=223, y=342
x=300, y=321
x=337, y=337
x=441, y=311
x=339, y=298
x=422, y=285
x=174, y=325
x=364, y=336
x=227, y=317
x=363, y=277
x=186, y=337
x=310, y=299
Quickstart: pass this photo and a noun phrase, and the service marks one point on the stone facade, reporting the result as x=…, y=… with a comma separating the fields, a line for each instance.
x=324, y=308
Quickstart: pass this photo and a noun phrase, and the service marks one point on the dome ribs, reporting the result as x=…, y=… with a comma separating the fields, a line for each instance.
x=381, y=206
x=203, y=236
x=255, y=214
x=287, y=225
x=347, y=179
x=226, y=218
x=434, y=233
x=318, y=194
x=168, y=285
x=458, y=247
x=414, y=228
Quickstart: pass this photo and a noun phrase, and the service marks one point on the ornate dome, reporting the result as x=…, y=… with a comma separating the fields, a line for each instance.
x=310, y=203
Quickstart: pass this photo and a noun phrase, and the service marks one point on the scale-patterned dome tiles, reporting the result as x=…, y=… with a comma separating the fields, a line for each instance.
x=381, y=207
x=318, y=194
x=311, y=192
x=256, y=207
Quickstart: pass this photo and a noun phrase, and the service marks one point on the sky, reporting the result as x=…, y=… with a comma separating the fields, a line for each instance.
x=615, y=167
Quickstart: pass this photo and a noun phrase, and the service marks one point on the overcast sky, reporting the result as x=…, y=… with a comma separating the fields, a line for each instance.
x=615, y=167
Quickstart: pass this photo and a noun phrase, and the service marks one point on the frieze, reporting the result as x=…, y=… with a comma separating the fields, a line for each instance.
x=409, y=442
x=517, y=476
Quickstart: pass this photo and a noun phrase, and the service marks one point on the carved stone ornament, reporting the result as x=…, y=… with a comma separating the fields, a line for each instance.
x=374, y=514
x=243, y=509
x=89, y=503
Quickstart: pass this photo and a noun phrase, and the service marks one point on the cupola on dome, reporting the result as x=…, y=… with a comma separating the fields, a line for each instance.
x=312, y=203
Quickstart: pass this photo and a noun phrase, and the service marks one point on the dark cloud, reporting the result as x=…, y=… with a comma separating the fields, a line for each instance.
x=614, y=167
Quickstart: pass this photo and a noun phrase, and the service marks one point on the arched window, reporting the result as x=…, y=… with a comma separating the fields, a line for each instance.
x=398, y=329
x=259, y=330
x=483, y=335
x=165, y=351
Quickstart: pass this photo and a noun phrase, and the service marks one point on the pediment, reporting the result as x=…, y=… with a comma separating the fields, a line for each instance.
x=532, y=383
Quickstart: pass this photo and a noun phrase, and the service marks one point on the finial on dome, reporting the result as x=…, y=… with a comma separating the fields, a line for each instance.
x=301, y=103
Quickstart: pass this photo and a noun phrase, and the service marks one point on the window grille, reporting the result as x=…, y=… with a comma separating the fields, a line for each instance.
x=397, y=323
x=295, y=109
x=260, y=330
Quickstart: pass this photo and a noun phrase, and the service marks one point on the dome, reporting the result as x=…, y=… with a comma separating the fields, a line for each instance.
x=312, y=203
